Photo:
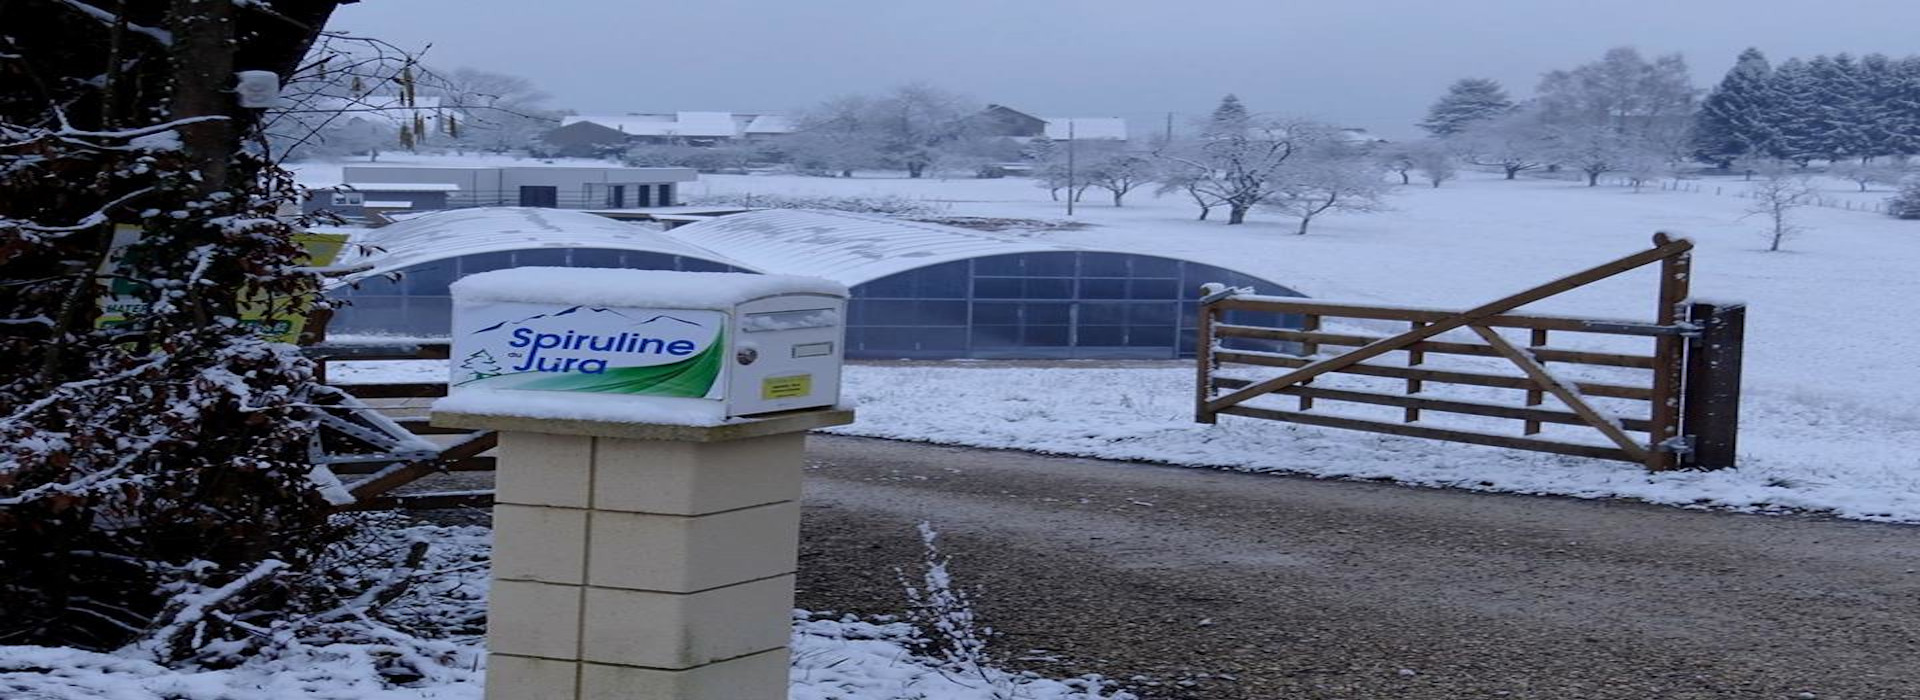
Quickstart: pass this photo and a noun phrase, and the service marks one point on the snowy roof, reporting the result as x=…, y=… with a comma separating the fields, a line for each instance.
x=396, y=187
x=458, y=232
x=769, y=124
x=1087, y=128
x=847, y=248
x=676, y=124
x=850, y=249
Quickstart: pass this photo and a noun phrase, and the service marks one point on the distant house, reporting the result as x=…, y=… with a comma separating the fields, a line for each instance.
x=1001, y=120
x=592, y=135
x=372, y=189
x=583, y=140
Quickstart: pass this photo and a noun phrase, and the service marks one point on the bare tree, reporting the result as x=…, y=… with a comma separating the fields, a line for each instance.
x=1514, y=142
x=1328, y=182
x=1397, y=159
x=1434, y=161
x=1867, y=174
x=1119, y=172
x=1776, y=194
x=1235, y=162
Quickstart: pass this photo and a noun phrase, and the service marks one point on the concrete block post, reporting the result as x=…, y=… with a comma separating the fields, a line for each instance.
x=643, y=562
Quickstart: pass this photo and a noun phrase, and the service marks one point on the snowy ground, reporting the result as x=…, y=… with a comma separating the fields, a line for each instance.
x=833, y=659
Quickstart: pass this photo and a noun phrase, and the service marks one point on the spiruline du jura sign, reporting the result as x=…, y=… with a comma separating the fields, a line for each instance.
x=754, y=343
x=581, y=347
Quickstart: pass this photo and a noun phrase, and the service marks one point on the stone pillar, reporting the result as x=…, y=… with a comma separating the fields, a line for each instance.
x=643, y=562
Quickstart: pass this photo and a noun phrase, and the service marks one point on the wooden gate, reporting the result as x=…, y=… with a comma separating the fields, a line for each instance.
x=1686, y=405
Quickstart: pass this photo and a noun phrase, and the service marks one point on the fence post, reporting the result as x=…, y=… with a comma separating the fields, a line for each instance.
x=1712, y=404
x=1203, y=359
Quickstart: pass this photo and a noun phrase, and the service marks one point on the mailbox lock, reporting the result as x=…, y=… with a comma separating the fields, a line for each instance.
x=746, y=355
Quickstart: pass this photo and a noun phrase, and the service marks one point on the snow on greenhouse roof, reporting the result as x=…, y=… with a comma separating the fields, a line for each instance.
x=847, y=248
x=458, y=232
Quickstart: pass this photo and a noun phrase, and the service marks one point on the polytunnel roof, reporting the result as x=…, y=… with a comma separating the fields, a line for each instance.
x=457, y=232
x=847, y=248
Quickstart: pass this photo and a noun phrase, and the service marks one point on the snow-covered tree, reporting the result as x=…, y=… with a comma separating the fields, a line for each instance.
x=1777, y=193
x=833, y=138
x=1906, y=204
x=1435, y=163
x=1119, y=171
x=1646, y=105
x=1734, y=119
x=1468, y=101
x=1592, y=148
x=1330, y=180
x=1514, y=142
x=909, y=128
x=491, y=112
x=1395, y=158
x=1236, y=161
x=166, y=455
x=1796, y=116
x=1868, y=174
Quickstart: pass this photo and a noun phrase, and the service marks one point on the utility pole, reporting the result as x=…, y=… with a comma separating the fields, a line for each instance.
x=1070, y=173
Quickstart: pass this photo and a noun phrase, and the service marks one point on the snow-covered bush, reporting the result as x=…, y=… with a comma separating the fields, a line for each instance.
x=1906, y=204
x=154, y=477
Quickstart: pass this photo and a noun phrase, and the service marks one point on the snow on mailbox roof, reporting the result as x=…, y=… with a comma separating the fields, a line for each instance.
x=658, y=289
x=458, y=232
x=844, y=247
x=1087, y=128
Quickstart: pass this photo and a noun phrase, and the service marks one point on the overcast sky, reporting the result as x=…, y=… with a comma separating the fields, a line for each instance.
x=1375, y=63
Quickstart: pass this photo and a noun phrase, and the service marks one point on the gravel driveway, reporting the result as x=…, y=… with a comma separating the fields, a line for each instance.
x=1227, y=586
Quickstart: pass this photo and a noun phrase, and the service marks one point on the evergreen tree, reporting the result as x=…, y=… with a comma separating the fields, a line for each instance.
x=1467, y=101
x=1875, y=111
x=1229, y=119
x=1900, y=109
x=1794, y=120
x=1837, y=108
x=1732, y=122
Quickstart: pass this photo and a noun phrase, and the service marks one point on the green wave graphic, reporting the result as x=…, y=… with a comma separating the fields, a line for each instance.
x=692, y=377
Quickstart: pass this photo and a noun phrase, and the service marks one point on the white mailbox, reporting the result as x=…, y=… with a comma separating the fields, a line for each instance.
x=734, y=344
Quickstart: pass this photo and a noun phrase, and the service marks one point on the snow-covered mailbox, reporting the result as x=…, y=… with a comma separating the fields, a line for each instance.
x=652, y=434
x=660, y=344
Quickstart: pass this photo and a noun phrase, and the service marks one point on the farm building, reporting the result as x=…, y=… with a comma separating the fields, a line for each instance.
x=920, y=291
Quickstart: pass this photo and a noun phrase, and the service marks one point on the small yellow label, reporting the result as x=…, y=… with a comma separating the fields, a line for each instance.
x=786, y=387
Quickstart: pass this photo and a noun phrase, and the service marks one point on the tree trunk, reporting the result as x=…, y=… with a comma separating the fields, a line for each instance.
x=1204, y=211
x=1512, y=173
x=846, y=172
x=1593, y=179
x=914, y=169
x=1405, y=179
x=1116, y=198
x=1236, y=214
x=1304, y=220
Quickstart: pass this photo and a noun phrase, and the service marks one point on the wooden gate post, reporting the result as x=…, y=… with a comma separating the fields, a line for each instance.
x=1712, y=411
